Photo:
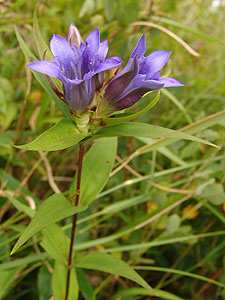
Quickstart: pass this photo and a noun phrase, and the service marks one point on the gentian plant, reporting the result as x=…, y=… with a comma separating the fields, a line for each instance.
x=93, y=96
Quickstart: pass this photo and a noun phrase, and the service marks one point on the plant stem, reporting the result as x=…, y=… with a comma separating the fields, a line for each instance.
x=81, y=154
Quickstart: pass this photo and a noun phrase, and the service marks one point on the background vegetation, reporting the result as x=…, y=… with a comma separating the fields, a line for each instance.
x=178, y=185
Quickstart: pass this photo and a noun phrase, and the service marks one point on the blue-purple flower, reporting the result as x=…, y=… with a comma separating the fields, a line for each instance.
x=140, y=75
x=79, y=65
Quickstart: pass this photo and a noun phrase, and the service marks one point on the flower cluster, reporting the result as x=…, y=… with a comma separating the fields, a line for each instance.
x=78, y=65
x=81, y=65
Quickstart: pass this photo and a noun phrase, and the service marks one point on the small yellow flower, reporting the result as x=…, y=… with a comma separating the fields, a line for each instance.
x=186, y=211
x=151, y=207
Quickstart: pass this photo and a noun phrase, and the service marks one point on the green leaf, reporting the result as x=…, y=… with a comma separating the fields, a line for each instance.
x=59, y=283
x=56, y=243
x=4, y=246
x=44, y=283
x=162, y=242
x=136, y=129
x=23, y=262
x=165, y=151
x=190, y=129
x=142, y=292
x=20, y=206
x=214, y=193
x=110, y=264
x=7, y=278
x=97, y=165
x=181, y=272
x=65, y=109
x=113, y=121
x=84, y=285
x=43, y=48
x=54, y=209
x=61, y=136
x=173, y=224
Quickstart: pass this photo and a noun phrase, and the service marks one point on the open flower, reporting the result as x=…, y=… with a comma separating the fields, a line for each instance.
x=78, y=65
x=140, y=76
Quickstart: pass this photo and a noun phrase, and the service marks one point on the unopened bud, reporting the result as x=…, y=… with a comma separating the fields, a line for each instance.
x=73, y=36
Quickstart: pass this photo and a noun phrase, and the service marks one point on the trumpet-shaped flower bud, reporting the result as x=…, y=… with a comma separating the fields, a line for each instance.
x=79, y=65
x=140, y=75
x=73, y=36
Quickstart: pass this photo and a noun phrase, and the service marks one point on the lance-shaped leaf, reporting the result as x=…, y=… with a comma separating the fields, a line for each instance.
x=43, y=48
x=61, y=136
x=146, y=130
x=56, y=243
x=54, y=209
x=59, y=283
x=97, y=165
x=7, y=279
x=160, y=294
x=85, y=286
x=194, y=128
x=107, y=263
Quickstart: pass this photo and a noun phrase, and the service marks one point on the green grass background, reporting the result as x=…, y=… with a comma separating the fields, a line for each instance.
x=180, y=255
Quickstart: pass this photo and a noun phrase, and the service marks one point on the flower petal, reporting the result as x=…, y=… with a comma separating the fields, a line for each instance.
x=91, y=81
x=117, y=58
x=61, y=48
x=46, y=67
x=130, y=99
x=93, y=41
x=134, y=92
x=99, y=79
x=170, y=81
x=108, y=63
x=140, y=49
x=156, y=61
x=90, y=52
x=139, y=82
x=120, y=81
x=76, y=95
x=156, y=76
x=103, y=50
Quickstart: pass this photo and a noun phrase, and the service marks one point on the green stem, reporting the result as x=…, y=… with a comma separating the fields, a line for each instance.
x=81, y=155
